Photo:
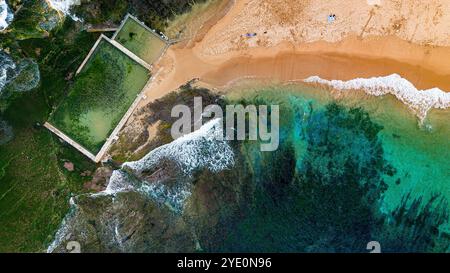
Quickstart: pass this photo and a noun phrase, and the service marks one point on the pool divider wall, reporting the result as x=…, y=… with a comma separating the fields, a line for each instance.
x=128, y=53
x=113, y=136
x=89, y=55
x=117, y=45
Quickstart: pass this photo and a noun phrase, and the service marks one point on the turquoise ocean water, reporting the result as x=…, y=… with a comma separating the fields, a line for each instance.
x=351, y=168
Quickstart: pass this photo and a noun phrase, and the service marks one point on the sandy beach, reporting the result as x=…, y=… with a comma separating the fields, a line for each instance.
x=294, y=41
x=218, y=59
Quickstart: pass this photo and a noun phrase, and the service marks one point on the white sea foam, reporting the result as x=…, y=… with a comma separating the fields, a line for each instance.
x=64, y=6
x=6, y=15
x=420, y=101
x=200, y=149
x=64, y=229
x=118, y=182
x=174, y=196
x=7, y=65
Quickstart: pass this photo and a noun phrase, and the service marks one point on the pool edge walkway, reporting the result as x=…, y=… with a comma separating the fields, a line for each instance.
x=70, y=141
x=117, y=45
x=113, y=136
x=127, y=52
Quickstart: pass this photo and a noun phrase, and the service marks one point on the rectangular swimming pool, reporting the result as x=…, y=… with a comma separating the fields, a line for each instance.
x=100, y=96
x=140, y=40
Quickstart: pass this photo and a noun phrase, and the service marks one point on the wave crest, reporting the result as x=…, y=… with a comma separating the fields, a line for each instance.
x=7, y=69
x=420, y=101
x=198, y=150
x=6, y=15
x=65, y=6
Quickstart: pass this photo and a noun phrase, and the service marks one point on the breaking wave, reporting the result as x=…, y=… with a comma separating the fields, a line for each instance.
x=6, y=15
x=7, y=69
x=420, y=101
x=64, y=229
x=64, y=6
x=198, y=150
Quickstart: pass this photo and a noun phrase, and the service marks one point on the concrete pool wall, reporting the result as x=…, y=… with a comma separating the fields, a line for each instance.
x=113, y=136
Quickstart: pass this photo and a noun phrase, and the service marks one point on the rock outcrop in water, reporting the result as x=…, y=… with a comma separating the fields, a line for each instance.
x=321, y=191
x=156, y=204
x=35, y=19
x=6, y=15
x=176, y=198
x=17, y=77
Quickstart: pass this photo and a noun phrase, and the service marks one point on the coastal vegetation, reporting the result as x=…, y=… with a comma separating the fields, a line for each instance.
x=35, y=187
x=156, y=14
x=347, y=171
x=34, y=19
x=145, y=44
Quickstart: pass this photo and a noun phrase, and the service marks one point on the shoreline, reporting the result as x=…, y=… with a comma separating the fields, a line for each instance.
x=287, y=63
x=347, y=59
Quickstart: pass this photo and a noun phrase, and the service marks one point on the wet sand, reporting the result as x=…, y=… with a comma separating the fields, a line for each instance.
x=424, y=65
x=348, y=59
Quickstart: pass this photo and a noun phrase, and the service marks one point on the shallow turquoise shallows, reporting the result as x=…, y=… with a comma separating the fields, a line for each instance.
x=397, y=159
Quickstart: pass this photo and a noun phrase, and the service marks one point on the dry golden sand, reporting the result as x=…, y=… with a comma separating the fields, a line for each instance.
x=295, y=41
x=417, y=21
x=379, y=46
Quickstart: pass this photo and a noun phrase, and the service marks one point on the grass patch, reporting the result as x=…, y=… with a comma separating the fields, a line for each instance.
x=33, y=196
x=142, y=42
x=100, y=96
x=34, y=186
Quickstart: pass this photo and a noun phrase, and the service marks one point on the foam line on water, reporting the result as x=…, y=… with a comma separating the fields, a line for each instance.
x=6, y=15
x=420, y=101
x=64, y=6
x=7, y=66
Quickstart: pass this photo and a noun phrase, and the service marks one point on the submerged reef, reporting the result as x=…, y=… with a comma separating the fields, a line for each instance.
x=339, y=179
x=329, y=199
x=321, y=191
x=42, y=39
